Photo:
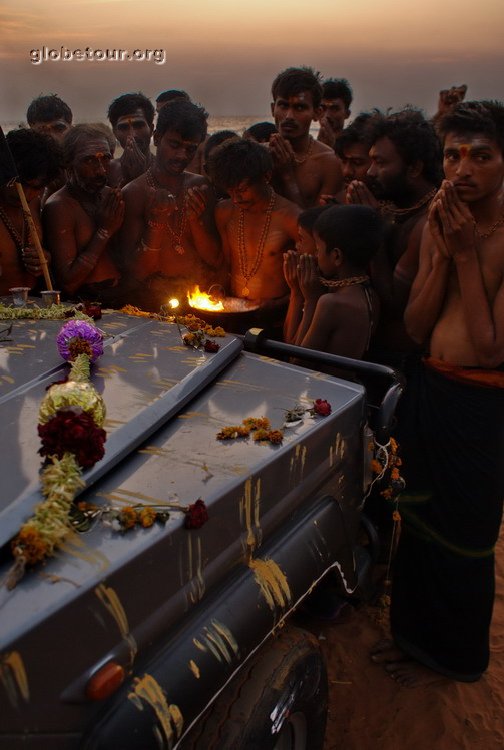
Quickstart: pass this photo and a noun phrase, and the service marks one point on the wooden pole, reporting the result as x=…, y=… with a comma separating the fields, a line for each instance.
x=34, y=236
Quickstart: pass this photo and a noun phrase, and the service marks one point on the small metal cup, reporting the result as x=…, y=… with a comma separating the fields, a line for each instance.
x=19, y=295
x=50, y=297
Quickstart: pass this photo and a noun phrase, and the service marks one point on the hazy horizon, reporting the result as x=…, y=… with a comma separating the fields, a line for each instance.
x=226, y=56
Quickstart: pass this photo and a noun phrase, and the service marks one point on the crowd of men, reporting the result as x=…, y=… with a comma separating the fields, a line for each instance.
x=383, y=239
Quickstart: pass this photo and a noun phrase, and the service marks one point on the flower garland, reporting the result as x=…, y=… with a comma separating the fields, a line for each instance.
x=71, y=418
x=53, y=312
x=386, y=467
x=189, y=321
x=261, y=426
x=83, y=515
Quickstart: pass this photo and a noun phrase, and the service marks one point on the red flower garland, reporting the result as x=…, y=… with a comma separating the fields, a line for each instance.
x=70, y=432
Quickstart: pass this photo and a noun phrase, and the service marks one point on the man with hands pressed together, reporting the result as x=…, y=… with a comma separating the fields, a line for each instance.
x=81, y=219
x=168, y=242
x=132, y=119
x=304, y=168
x=452, y=432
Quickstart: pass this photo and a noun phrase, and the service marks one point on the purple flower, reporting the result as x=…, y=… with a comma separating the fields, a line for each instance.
x=79, y=337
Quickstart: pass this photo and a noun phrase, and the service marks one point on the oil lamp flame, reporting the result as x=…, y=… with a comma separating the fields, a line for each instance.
x=173, y=303
x=202, y=301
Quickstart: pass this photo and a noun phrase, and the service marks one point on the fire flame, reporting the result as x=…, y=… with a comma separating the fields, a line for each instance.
x=202, y=301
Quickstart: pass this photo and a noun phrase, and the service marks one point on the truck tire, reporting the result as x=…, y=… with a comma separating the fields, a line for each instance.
x=279, y=702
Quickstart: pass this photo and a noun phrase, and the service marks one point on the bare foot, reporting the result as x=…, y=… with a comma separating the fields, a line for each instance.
x=412, y=674
x=386, y=651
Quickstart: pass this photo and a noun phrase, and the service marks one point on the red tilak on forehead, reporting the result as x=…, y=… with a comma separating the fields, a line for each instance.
x=464, y=150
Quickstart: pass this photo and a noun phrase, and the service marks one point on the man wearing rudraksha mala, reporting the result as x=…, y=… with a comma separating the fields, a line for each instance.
x=168, y=242
x=256, y=226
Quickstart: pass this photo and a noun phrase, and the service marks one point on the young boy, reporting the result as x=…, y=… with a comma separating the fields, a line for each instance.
x=256, y=227
x=305, y=245
x=340, y=308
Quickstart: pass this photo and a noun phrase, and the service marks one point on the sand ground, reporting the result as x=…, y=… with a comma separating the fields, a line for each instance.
x=369, y=711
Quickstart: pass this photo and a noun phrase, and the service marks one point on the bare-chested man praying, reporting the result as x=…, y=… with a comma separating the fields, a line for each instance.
x=453, y=431
x=81, y=219
x=256, y=226
x=168, y=242
x=304, y=168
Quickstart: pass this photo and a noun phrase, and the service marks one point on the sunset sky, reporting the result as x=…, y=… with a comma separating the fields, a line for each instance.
x=226, y=53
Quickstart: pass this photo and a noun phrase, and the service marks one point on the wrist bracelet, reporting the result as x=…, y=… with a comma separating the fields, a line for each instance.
x=103, y=234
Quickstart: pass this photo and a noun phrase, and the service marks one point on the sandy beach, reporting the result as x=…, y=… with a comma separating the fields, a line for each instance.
x=369, y=711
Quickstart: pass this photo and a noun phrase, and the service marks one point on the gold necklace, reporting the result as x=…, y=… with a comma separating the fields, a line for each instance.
x=305, y=157
x=350, y=281
x=242, y=252
x=175, y=234
x=390, y=209
x=489, y=232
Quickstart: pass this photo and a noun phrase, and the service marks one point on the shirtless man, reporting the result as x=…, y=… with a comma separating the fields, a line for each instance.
x=404, y=172
x=168, y=96
x=36, y=158
x=168, y=241
x=198, y=161
x=337, y=98
x=50, y=115
x=453, y=444
x=256, y=227
x=335, y=307
x=352, y=147
x=81, y=218
x=132, y=119
x=304, y=169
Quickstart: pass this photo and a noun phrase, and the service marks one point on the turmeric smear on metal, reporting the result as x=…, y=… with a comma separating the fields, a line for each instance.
x=272, y=582
x=169, y=716
x=250, y=514
x=297, y=463
x=337, y=450
x=110, y=600
x=194, y=669
x=14, y=678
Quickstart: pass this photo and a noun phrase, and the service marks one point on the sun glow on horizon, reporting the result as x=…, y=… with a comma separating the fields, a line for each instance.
x=212, y=49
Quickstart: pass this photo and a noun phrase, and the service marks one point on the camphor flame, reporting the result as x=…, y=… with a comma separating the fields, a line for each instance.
x=202, y=301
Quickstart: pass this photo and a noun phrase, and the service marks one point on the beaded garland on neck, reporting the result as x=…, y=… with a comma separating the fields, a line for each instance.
x=242, y=253
x=302, y=159
x=175, y=234
x=493, y=228
x=389, y=209
x=339, y=283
